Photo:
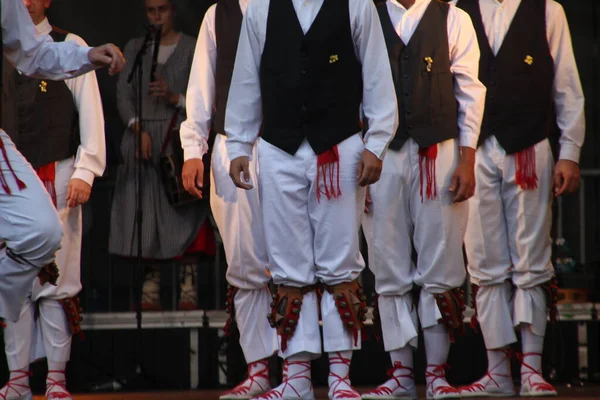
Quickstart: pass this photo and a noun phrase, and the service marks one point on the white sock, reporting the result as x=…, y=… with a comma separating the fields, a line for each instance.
x=339, y=366
x=437, y=344
x=56, y=376
x=403, y=356
x=298, y=382
x=20, y=379
x=531, y=343
x=498, y=361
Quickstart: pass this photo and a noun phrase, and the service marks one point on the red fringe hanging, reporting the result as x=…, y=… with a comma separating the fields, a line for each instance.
x=328, y=166
x=526, y=177
x=429, y=155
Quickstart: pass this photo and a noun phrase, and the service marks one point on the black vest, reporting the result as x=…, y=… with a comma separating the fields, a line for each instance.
x=228, y=23
x=519, y=78
x=311, y=84
x=424, y=84
x=46, y=118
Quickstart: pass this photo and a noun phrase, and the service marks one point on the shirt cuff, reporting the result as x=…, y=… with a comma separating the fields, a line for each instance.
x=192, y=152
x=235, y=150
x=376, y=148
x=569, y=151
x=468, y=139
x=84, y=175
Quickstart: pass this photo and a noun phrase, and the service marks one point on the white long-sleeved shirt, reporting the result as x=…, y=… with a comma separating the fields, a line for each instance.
x=243, y=117
x=200, y=96
x=567, y=91
x=39, y=56
x=90, y=160
x=464, y=62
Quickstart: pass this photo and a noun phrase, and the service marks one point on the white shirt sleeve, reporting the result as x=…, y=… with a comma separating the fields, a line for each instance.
x=91, y=154
x=200, y=95
x=567, y=91
x=464, y=64
x=243, y=116
x=39, y=56
x=379, y=106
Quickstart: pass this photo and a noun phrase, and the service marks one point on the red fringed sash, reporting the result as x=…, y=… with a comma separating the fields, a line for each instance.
x=525, y=174
x=21, y=185
x=429, y=156
x=47, y=175
x=328, y=166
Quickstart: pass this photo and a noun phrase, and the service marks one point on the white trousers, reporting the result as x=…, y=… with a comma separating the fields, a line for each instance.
x=239, y=218
x=508, y=239
x=50, y=335
x=399, y=219
x=310, y=241
x=29, y=226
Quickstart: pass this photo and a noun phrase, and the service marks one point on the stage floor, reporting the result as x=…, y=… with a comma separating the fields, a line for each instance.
x=587, y=392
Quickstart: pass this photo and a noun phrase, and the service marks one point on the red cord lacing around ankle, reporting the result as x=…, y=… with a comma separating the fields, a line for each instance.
x=439, y=372
x=386, y=391
x=10, y=385
x=244, y=387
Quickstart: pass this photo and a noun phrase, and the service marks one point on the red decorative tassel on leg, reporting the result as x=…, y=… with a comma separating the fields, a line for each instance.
x=20, y=184
x=526, y=177
x=429, y=156
x=328, y=169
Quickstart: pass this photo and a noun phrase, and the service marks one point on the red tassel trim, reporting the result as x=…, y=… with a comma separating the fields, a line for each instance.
x=47, y=175
x=429, y=156
x=328, y=170
x=452, y=306
x=20, y=184
x=230, y=309
x=526, y=177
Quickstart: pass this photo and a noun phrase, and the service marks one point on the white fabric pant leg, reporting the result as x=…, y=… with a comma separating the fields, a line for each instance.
x=29, y=226
x=239, y=218
x=52, y=333
x=336, y=224
x=439, y=229
x=508, y=237
x=284, y=190
x=495, y=315
x=388, y=229
x=307, y=240
x=18, y=337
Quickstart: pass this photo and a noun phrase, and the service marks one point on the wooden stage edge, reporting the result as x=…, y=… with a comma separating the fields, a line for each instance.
x=587, y=392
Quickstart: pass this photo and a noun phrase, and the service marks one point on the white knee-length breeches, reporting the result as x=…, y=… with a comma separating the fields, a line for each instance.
x=239, y=218
x=508, y=243
x=400, y=218
x=29, y=226
x=311, y=241
x=49, y=336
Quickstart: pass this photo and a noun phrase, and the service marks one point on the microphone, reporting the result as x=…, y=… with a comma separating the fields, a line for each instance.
x=157, y=30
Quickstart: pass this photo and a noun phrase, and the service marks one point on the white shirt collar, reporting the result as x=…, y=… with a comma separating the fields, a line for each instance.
x=43, y=28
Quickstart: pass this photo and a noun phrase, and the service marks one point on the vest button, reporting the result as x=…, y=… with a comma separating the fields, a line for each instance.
x=304, y=108
x=405, y=57
x=405, y=76
x=493, y=83
x=406, y=94
x=303, y=71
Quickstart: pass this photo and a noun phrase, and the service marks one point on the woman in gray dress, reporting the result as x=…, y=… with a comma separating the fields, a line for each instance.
x=167, y=231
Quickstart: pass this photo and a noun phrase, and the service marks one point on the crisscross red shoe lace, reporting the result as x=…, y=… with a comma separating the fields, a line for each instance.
x=11, y=387
x=480, y=388
x=286, y=386
x=253, y=385
x=433, y=373
x=385, y=391
x=340, y=387
x=57, y=389
x=532, y=381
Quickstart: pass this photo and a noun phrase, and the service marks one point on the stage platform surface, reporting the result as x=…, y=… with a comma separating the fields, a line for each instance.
x=587, y=392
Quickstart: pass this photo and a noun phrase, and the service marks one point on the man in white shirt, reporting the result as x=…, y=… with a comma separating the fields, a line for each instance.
x=420, y=200
x=50, y=145
x=527, y=64
x=236, y=212
x=303, y=70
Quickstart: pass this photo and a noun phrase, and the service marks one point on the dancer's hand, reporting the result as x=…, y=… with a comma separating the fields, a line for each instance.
x=192, y=175
x=239, y=166
x=463, y=179
x=108, y=55
x=369, y=168
x=78, y=192
x=567, y=177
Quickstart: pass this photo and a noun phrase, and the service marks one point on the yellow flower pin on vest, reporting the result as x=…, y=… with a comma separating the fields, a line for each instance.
x=429, y=62
x=528, y=60
x=333, y=58
x=43, y=86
